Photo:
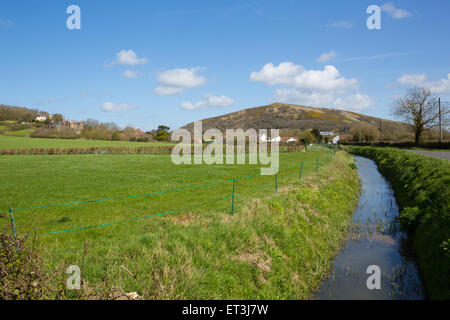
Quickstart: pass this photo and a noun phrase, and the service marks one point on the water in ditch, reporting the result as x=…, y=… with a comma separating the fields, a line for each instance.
x=374, y=240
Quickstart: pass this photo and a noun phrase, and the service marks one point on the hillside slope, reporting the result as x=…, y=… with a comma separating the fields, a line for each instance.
x=288, y=117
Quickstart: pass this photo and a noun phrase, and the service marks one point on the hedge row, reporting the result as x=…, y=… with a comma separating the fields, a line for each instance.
x=91, y=150
x=157, y=150
x=422, y=189
x=410, y=144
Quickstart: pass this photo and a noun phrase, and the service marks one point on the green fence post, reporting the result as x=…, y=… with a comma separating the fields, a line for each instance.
x=232, y=199
x=12, y=222
x=276, y=183
x=300, y=173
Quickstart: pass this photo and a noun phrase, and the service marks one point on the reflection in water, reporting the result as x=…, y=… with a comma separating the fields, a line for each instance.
x=374, y=239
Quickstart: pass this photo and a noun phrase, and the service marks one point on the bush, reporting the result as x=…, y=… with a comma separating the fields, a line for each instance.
x=142, y=139
x=22, y=274
x=422, y=189
x=100, y=132
x=17, y=127
x=44, y=133
x=52, y=133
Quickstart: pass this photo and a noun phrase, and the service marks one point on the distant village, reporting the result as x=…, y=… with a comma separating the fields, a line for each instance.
x=57, y=122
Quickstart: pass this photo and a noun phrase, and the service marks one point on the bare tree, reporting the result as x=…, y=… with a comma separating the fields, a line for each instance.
x=420, y=108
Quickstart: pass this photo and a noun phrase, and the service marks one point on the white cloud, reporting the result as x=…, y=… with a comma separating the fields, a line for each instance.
x=298, y=77
x=327, y=56
x=113, y=107
x=167, y=91
x=271, y=75
x=394, y=12
x=130, y=74
x=354, y=102
x=128, y=58
x=413, y=79
x=312, y=87
x=342, y=24
x=177, y=80
x=441, y=86
x=304, y=97
x=209, y=101
x=375, y=57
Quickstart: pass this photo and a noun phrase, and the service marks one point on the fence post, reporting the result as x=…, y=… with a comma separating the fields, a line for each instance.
x=276, y=183
x=12, y=222
x=232, y=199
x=300, y=173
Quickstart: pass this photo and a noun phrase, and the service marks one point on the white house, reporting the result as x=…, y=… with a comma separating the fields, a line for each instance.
x=326, y=133
x=264, y=138
x=43, y=117
x=292, y=140
x=336, y=140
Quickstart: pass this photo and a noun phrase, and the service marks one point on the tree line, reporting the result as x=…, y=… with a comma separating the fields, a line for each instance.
x=52, y=127
x=19, y=114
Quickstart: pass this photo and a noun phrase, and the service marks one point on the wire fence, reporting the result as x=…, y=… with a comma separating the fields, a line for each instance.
x=327, y=151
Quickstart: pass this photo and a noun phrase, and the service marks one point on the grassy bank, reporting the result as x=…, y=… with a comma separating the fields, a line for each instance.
x=422, y=189
x=276, y=245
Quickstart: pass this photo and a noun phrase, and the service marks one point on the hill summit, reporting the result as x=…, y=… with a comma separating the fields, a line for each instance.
x=290, y=118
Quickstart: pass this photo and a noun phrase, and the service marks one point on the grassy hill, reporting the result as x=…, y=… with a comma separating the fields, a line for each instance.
x=289, y=117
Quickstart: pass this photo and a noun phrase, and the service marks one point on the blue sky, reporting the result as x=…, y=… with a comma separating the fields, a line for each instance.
x=145, y=63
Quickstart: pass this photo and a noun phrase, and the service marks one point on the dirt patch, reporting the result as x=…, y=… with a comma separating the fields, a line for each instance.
x=285, y=189
x=183, y=220
x=310, y=210
x=259, y=260
x=127, y=296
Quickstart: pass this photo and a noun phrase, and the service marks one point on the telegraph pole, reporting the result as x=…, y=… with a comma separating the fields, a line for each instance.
x=380, y=129
x=440, y=122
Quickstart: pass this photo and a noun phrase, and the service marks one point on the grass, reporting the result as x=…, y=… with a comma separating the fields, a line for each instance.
x=15, y=142
x=19, y=133
x=422, y=190
x=275, y=246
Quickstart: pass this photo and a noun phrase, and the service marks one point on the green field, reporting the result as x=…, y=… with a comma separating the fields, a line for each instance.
x=20, y=133
x=275, y=246
x=13, y=142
